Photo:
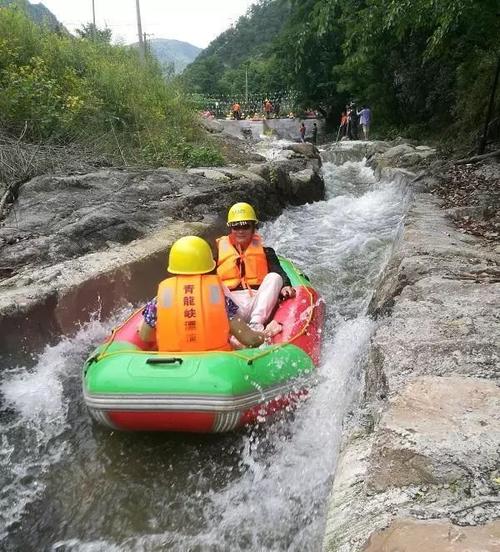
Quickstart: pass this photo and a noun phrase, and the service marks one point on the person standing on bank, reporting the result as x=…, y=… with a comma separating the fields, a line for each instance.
x=365, y=119
x=352, y=122
x=302, y=132
x=314, y=138
x=236, y=108
x=191, y=311
x=251, y=271
x=268, y=108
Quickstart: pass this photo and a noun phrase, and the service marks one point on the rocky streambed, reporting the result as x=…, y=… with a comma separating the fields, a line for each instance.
x=420, y=463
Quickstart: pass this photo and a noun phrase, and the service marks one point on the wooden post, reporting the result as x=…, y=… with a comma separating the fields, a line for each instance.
x=93, y=20
x=139, y=30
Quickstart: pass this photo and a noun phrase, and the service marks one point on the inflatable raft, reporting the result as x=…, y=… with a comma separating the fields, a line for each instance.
x=128, y=387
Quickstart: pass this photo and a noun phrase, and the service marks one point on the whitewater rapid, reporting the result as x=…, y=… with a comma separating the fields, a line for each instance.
x=68, y=485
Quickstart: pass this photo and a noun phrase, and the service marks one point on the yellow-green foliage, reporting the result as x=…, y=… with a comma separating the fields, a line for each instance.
x=60, y=88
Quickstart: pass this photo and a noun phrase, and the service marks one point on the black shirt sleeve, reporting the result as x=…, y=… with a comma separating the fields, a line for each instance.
x=273, y=265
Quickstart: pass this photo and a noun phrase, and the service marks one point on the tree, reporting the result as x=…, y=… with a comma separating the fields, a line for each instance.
x=89, y=31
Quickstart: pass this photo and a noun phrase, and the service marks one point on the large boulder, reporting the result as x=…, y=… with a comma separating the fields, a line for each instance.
x=60, y=217
x=212, y=125
x=402, y=155
x=309, y=151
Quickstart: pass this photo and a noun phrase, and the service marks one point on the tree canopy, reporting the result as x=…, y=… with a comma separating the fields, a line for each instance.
x=420, y=64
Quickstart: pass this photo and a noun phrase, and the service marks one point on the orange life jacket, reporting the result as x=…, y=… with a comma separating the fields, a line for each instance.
x=191, y=314
x=247, y=268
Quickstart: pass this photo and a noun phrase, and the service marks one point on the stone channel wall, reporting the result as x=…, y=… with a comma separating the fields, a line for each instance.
x=419, y=469
x=74, y=245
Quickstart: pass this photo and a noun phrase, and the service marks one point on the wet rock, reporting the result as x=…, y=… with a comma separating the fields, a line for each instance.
x=306, y=150
x=401, y=140
x=234, y=174
x=303, y=180
x=408, y=535
x=212, y=174
x=343, y=151
x=260, y=169
x=403, y=155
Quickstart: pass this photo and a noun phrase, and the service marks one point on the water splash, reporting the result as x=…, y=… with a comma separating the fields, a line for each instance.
x=34, y=417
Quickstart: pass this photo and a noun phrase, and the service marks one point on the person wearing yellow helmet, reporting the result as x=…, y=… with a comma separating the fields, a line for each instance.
x=191, y=311
x=251, y=271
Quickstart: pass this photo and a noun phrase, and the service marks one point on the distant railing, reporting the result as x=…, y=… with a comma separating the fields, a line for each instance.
x=283, y=103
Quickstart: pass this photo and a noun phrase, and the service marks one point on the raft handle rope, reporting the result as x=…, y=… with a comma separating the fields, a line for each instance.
x=164, y=360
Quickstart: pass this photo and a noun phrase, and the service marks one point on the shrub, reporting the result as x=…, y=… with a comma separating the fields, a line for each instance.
x=59, y=88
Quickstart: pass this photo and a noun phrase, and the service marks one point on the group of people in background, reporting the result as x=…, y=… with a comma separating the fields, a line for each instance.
x=314, y=133
x=268, y=110
x=352, y=120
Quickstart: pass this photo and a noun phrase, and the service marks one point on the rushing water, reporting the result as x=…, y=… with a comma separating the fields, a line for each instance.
x=68, y=485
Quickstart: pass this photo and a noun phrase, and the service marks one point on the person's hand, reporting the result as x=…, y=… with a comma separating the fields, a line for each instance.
x=287, y=292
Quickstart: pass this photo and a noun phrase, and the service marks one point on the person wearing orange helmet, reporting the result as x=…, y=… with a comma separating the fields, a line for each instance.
x=251, y=271
x=191, y=311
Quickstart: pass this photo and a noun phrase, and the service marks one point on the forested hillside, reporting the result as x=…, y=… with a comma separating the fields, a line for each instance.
x=423, y=66
x=36, y=12
x=220, y=69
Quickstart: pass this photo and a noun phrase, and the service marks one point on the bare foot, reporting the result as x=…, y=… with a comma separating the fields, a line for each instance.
x=273, y=328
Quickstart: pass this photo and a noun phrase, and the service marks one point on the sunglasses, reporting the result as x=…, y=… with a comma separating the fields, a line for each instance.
x=242, y=226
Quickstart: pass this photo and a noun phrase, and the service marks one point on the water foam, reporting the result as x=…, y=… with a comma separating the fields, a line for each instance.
x=34, y=417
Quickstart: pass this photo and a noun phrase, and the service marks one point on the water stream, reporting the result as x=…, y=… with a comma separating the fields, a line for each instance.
x=69, y=485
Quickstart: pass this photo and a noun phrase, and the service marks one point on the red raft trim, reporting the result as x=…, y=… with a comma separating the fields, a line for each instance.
x=192, y=422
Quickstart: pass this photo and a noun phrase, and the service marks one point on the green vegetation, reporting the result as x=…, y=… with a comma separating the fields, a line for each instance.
x=220, y=69
x=59, y=89
x=424, y=67
x=38, y=13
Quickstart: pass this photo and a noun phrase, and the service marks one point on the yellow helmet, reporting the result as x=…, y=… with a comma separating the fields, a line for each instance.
x=241, y=212
x=190, y=255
